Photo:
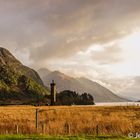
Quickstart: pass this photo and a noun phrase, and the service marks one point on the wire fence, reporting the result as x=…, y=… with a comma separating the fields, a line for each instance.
x=71, y=121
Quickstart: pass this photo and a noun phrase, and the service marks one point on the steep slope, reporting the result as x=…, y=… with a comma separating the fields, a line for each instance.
x=43, y=72
x=18, y=83
x=100, y=93
x=81, y=85
x=7, y=59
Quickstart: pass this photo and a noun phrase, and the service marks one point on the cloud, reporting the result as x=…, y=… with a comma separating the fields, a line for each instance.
x=124, y=86
x=55, y=22
x=108, y=55
x=133, y=89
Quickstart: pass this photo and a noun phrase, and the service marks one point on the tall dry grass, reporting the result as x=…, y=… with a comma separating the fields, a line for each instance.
x=70, y=120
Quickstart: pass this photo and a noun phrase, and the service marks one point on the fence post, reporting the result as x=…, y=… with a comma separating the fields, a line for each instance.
x=17, y=130
x=36, y=119
x=6, y=132
x=97, y=130
x=67, y=128
x=43, y=128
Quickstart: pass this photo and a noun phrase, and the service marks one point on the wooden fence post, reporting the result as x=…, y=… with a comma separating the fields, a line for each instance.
x=43, y=128
x=17, y=129
x=36, y=120
x=97, y=130
x=67, y=128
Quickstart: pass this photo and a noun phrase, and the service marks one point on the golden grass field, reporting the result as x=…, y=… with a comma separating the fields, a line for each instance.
x=70, y=120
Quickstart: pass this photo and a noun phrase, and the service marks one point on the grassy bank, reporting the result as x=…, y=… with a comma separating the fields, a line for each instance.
x=39, y=137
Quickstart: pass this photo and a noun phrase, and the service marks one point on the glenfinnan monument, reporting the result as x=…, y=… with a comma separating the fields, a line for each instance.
x=53, y=92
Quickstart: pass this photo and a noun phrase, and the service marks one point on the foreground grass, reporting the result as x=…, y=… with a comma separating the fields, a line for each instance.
x=40, y=137
x=70, y=120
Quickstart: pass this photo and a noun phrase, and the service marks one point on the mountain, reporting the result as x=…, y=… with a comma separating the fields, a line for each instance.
x=100, y=93
x=19, y=84
x=43, y=72
x=129, y=98
x=81, y=85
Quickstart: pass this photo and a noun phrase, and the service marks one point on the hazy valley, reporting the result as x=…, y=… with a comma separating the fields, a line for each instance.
x=80, y=85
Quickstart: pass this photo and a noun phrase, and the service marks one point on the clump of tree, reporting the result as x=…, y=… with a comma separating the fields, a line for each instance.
x=15, y=86
x=7, y=76
x=68, y=97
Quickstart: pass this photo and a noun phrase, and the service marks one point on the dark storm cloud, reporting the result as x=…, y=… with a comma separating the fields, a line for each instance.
x=64, y=27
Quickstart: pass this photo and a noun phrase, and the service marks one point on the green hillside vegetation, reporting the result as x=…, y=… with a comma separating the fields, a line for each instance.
x=18, y=83
x=17, y=86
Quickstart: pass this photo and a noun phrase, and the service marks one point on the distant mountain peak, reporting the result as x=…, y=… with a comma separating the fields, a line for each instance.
x=81, y=85
x=57, y=74
x=44, y=69
x=43, y=72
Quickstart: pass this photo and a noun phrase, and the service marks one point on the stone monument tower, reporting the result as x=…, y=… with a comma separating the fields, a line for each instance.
x=53, y=92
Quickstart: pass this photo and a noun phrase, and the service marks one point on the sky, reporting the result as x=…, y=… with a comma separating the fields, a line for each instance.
x=97, y=39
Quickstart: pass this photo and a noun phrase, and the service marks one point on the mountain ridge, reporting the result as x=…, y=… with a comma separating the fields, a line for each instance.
x=81, y=85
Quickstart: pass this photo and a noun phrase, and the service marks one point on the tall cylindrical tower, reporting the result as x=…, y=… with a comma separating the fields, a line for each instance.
x=53, y=92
